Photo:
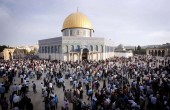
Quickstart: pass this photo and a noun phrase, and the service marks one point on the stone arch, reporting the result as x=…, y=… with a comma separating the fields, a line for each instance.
x=152, y=52
x=49, y=49
x=91, y=47
x=56, y=49
x=159, y=53
x=65, y=48
x=8, y=54
x=96, y=47
x=46, y=49
x=156, y=53
x=77, y=48
x=72, y=47
x=149, y=52
x=52, y=49
x=85, y=54
x=163, y=53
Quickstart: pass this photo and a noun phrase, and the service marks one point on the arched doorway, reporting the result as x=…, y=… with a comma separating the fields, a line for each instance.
x=149, y=52
x=156, y=53
x=152, y=53
x=163, y=53
x=10, y=56
x=159, y=53
x=85, y=54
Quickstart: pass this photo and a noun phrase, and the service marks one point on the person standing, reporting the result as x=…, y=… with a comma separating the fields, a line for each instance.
x=56, y=101
x=66, y=105
x=2, y=91
x=11, y=100
x=90, y=93
x=52, y=103
x=4, y=104
x=34, y=88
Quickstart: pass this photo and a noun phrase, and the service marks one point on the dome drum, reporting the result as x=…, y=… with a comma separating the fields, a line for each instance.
x=77, y=22
x=78, y=32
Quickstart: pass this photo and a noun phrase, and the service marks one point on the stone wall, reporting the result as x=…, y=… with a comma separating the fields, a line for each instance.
x=123, y=54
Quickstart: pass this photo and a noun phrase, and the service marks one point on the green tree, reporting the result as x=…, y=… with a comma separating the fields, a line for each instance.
x=139, y=50
x=139, y=47
x=2, y=48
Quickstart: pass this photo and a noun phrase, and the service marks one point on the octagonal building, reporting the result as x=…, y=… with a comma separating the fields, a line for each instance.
x=77, y=42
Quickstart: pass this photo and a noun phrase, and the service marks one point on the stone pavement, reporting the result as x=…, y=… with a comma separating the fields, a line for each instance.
x=37, y=98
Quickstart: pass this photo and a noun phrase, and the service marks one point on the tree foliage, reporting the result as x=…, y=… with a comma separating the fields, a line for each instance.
x=139, y=50
x=2, y=47
x=139, y=47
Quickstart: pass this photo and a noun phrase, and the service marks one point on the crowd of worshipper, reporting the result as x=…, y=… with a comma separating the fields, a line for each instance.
x=135, y=83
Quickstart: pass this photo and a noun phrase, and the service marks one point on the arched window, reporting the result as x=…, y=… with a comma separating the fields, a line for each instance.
x=91, y=48
x=96, y=48
x=163, y=53
x=159, y=53
x=156, y=53
x=101, y=48
x=66, y=48
x=71, y=32
x=45, y=49
x=78, y=47
x=56, y=49
x=72, y=48
x=48, y=49
x=52, y=50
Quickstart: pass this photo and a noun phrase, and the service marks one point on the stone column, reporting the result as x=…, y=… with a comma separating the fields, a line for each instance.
x=166, y=52
x=73, y=57
x=80, y=56
x=91, y=56
x=97, y=56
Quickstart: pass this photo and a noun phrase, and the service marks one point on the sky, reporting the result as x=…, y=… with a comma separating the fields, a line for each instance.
x=127, y=22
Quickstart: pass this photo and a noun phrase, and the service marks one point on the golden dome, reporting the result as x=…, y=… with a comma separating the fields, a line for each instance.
x=77, y=20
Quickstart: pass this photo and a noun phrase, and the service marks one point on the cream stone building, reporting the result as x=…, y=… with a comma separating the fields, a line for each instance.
x=8, y=54
x=161, y=50
x=77, y=42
